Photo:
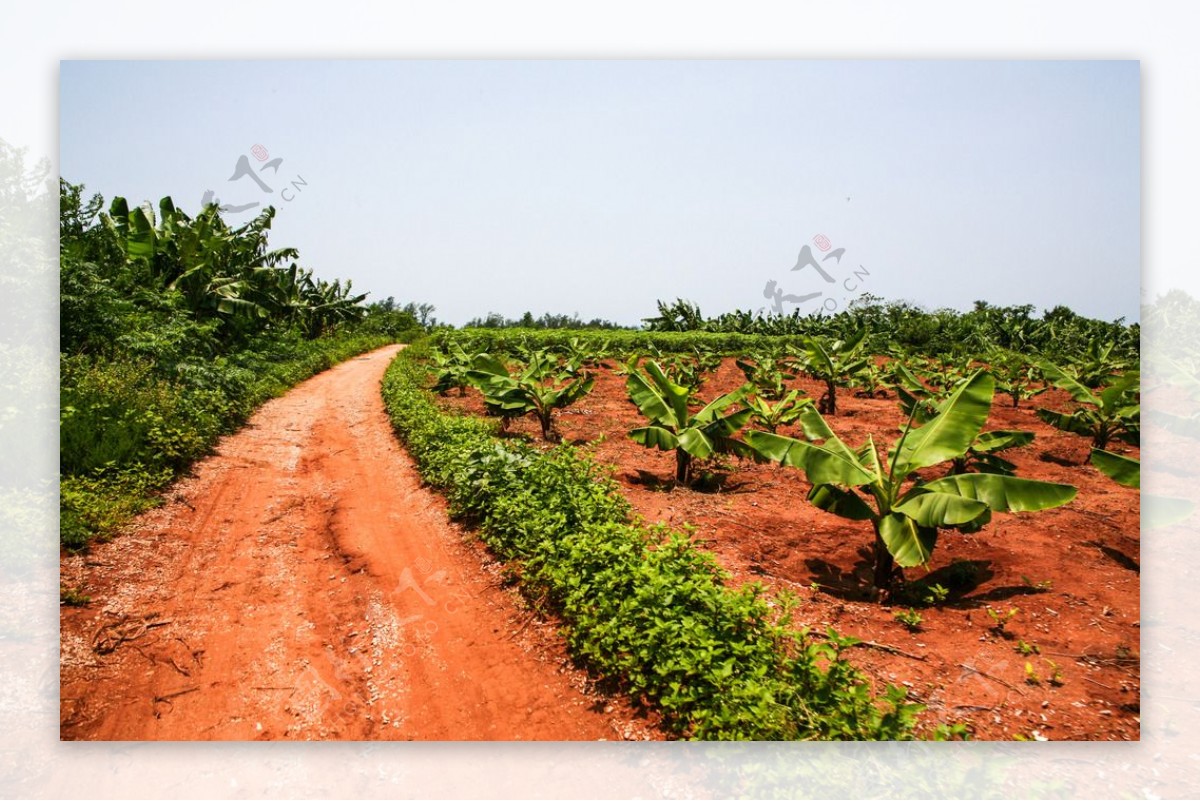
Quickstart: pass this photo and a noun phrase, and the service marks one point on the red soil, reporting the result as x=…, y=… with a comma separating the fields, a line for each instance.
x=1072, y=573
x=303, y=585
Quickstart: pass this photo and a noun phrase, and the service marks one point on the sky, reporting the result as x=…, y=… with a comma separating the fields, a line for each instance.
x=599, y=187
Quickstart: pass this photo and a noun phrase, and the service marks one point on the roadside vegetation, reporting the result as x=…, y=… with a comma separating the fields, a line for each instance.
x=173, y=329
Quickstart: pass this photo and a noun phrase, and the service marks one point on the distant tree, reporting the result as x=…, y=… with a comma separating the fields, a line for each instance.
x=423, y=312
x=546, y=320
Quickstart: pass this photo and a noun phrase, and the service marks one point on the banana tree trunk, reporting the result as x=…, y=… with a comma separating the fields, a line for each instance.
x=827, y=404
x=683, y=466
x=885, y=564
x=548, y=432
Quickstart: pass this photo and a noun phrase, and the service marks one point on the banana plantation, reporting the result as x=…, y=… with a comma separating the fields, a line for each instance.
x=946, y=488
x=887, y=523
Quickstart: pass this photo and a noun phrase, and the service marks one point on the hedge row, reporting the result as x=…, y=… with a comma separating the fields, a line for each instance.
x=641, y=607
x=511, y=340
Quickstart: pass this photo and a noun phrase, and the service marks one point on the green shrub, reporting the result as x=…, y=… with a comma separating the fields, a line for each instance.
x=128, y=427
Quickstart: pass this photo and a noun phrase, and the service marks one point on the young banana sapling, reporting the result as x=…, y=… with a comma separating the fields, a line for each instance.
x=906, y=513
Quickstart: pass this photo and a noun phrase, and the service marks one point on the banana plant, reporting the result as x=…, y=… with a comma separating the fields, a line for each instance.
x=1121, y=469
x=922, y=403
x=673, y=426
x=453, y=367
x=767, y=373
x=691, y=369
x=982, y=456
x=1098, y=366
x=773, y=414
x=905, y=512
x=1112, y=413
x=945, y=373
x=1015, y=376
x=832, y=361
x=870, y=382
x=538, y=388
x=916, y=399
x=580, y=354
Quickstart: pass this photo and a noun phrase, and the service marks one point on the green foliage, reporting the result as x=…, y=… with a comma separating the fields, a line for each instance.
x=1099, y=364
x=857, y=484
x=982, y=456
x=917, y=400
x=921, y=403
x=872, y=381
x=495, y=320
x=682, y=315
x=673, y=426
x=173, y=329
x=909, y=618
x=1112, y=413
x=71, y=596
x=398, y=324
x=128, y=428
x=581, y=353
x=1001, y=619
x=834, y=362
x=641, y=606
x=1121, y=469
x=1015, y=376
x=1059, y=334
x=452, y=368
x=767, y=373
x=771, y=415
x=537, y=388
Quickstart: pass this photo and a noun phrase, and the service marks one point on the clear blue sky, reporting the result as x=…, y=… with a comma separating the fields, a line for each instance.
x=597, y=187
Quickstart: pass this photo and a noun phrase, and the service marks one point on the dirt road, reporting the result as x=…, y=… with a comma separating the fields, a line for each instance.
x=302, y=585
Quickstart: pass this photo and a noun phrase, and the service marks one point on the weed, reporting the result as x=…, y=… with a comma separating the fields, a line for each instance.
x=1001, y=619
x=935, y=594
x=909, y=618
x=1041, y=586
x=70, y=596
x=947, y=731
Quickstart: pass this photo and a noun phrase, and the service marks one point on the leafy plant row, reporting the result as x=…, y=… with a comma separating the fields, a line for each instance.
x=641, y=606
x=1059, y=334
x=517, y=340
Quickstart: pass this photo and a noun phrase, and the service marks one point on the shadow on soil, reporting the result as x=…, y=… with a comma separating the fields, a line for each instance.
x=959, y=580
x=1115, y=555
